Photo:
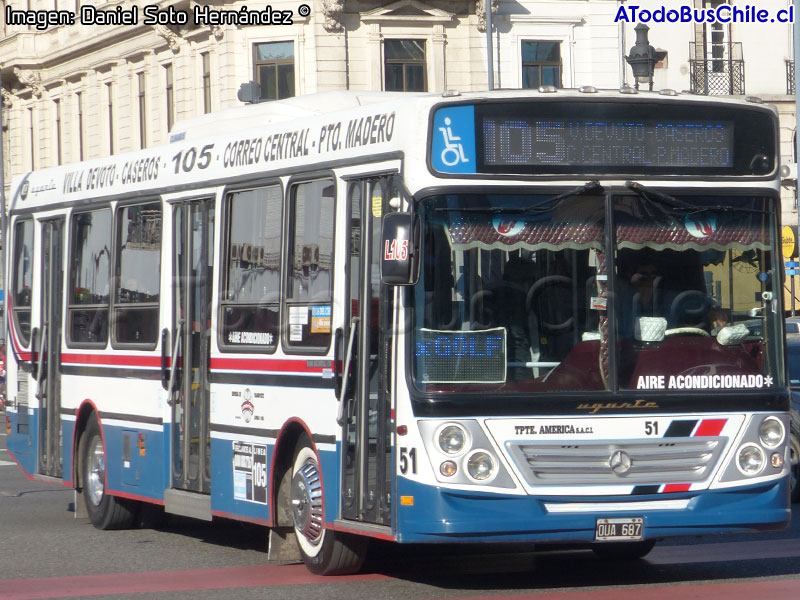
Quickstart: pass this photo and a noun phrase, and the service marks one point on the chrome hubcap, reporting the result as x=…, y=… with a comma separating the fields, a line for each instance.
x=95, y=482
x=307, y=502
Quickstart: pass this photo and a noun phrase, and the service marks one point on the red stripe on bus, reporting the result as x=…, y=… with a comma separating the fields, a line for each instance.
x=672, y=488
x=116, y=360
x=266, y=364
x=710, y=427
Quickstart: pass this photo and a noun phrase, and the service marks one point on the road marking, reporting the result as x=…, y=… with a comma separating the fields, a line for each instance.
x=168, y=581
x=270, y=576
x=5, y=462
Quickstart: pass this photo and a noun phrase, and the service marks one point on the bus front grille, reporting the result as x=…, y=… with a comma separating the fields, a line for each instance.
x=616, y=462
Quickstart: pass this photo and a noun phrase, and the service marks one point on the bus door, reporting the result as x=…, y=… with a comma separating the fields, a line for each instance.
x=192, y=264
x=47, y=347
x=366, y=348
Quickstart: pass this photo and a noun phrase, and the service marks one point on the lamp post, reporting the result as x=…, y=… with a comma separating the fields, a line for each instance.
x=643, y=57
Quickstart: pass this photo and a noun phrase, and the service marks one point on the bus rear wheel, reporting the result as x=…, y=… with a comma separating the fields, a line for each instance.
x=324, y=551
x=105, y=512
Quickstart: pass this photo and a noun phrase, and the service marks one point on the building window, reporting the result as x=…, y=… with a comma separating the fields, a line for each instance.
x=110, y=97
x=170, y=96
x=541, y=64
x=57, y=103
x=142, y=111
x=79, y=104
x=206, y=82
x=404, y=66
x=716, y=44
x=273, y=63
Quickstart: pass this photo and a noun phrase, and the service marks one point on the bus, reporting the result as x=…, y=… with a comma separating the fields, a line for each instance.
x=540, y=316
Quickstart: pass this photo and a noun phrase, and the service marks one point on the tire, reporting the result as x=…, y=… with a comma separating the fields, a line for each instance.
x=105, y=511
x=324, y=551
x=794, y=454
x=623, y=550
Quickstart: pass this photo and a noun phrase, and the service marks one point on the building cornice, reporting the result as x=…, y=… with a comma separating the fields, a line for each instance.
x=407, y=11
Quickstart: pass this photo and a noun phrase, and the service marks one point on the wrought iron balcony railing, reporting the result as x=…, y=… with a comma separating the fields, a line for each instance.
x=716, y=69
x=790, y=77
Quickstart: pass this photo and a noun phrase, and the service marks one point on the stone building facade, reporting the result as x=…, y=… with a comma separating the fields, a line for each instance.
x=82, y=90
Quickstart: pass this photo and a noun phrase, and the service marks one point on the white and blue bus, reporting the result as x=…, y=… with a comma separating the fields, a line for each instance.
x=519, y=316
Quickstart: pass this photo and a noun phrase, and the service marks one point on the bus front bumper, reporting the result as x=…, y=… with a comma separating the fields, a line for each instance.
x=442, y=515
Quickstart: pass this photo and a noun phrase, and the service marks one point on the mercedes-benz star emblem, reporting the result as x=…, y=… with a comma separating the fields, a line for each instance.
x=620, y=462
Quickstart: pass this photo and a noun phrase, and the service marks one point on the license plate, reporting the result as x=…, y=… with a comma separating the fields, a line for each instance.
x=626, y=529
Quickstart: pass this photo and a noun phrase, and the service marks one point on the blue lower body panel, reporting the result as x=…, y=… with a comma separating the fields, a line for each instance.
x=440, y=515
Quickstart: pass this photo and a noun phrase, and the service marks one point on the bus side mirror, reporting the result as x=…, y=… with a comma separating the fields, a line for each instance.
x=400, y=249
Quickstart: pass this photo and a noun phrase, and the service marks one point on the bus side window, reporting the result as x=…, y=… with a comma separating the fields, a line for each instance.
x=138, y=273
x=22, y=278
x=90, y=276
x=310, y=264
x=252, y=263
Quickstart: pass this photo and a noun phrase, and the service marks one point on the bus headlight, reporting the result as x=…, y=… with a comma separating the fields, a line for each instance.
x=750, y=459
x=480, y=465
x=452, y=439
x=771, y=432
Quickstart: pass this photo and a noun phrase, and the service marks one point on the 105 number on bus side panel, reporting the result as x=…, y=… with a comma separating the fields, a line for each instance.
x=191, y=158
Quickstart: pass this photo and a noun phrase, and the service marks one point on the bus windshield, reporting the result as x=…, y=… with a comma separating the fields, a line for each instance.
x=522, y=292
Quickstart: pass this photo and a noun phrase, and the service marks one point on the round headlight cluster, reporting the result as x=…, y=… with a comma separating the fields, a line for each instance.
x=767, y=451
x=751, y=459
x=480, y=466
x=452, y=439
x=462, y=461
x=771, y=432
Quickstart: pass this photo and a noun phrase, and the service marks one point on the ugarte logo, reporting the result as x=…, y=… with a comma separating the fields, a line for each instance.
x=596, y=407
x=23, y=190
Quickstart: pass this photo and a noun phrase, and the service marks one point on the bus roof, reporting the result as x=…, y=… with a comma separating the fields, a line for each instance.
x=314, y=131
x=276, y=111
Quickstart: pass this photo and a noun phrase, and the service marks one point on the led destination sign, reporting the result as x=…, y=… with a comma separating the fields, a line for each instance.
x=649, y=142
x=670, y=137
x=461, y=356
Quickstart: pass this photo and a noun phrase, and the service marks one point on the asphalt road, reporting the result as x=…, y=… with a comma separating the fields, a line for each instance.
x=46, y=553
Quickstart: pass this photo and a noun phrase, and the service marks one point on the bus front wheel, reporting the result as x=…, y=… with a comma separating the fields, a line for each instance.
x=324, y=551
x=105, y=512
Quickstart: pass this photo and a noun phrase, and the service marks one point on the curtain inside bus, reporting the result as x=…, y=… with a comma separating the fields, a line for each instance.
x=516, y=293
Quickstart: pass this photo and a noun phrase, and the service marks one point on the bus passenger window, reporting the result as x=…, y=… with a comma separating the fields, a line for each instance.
x=90, y=272
x=252, y=262
x=23, y=275
x=137, y=274
x=310, y=285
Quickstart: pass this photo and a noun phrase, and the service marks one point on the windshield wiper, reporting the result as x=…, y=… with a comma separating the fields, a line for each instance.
x=661, y=198
x=590, y=187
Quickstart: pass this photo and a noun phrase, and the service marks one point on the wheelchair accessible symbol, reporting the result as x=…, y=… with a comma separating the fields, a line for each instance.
x=453, y=144
x=451, y=148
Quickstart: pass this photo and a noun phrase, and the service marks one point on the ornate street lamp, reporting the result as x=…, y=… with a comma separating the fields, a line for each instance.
x=643, y=57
